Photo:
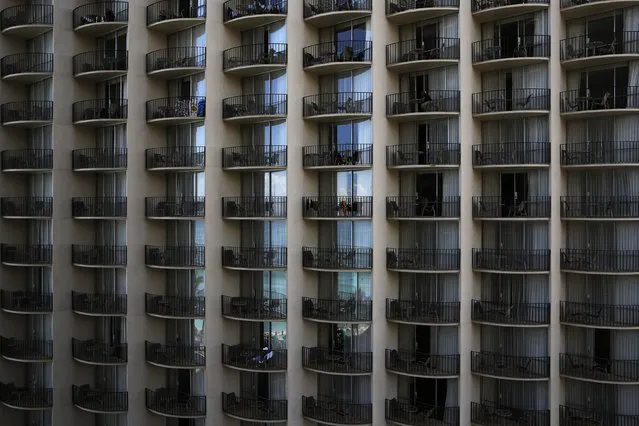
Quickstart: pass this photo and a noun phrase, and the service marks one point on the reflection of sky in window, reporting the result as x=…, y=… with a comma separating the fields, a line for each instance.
x=355, y=183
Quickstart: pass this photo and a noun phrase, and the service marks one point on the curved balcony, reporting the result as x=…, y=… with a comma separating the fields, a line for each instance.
x=601, y=370
x=26, y=207
x=494, y=10
x=254, y=258
x=173, y=403
x=338, y=157
x=253, y=59
x=572, y=9
x=245, y=358
x=402, y=12
x=99, y=160
x=254, y=308
x=322, y=13
x=27, y=160
x=337, y=310
x=489, y=413
x=418, y=364
x=255, y=158
x=498, y=208
x=600, y=208
x=504, y=366
x=331, y=411
x=579, y=416
x=600, y=155
x=27, y=114
x=174, y=208
x=98, y=401
x=27, y=21
x=256, y=108
x=337, y=207
x=510, y=314
x=26, y=255
x=26, y=68
x=417, y=55
x=254, y=208
x=594, y=315
x=99, y=304
x=245, y=14
x=175, y=307
x=511, y=261
x=422, y=260
x=495, y=54
x=428, y=105
x=174, y=257
x=421, y=312
x=26, y=350
x=332, y=107
x=100, y=18
x=26, y=399
x=100, y=112
x=407, y=413
x=172, y=16
x=178, y=158
x=175, y=356
x=98, y=256
x=410, y=156
x=27, y=302
x=582, y=104
x=176, y=62
x=511, y=104
x=99, y=352
x=175, y=111
x=99, y=208
x=254, y=409
x=511, y=155
x=331, y=361
x=337, y=56
x=101, y=65
x=592, y=261
x=345, y=258
x=584, y=52
x=418, y=208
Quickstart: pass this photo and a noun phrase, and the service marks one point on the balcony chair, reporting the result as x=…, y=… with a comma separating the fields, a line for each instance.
x=495, y=104
x=608, y=49
x=572, y=53
x=518, y=209
x=405, y=158
x=523, y=103
x=601, y=103
x=392, y=208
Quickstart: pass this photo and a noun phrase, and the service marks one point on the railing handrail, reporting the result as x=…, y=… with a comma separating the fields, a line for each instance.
x=615, y=252
x=279, y=96
x=333, y=6
x=512, y=251
x=454, y=92
x=234, y=9
x=199, y=49
x=478, y=7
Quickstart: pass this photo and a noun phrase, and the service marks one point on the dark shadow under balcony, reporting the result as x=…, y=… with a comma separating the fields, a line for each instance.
x=176, y=110
x=343, y=106
x=254, y=409
x=23, y=398
x=27, y=21
x=338, y=258
x=175, y=307
x=337, y=56
x=173, y=208
x=600, y=207
x=415, y=55
x=26, y=68
x=98, y=256
x=28, y=255
x=430, y=104
x=602, y=154
x=255, y=157
x=100, y=112
x=101, y=65
x=337, y=310
x=402, y=12
x=415, y=413
x=599, y=315
x=253, y=59
x=335, y=412
x=494, y=54
x=100, y=401
x=422, y=312
x=27, y=160
x=511, y=104
x=99, y=304
x=175, y=356
x=584, y=416
x=423, y=156
x=493, y=10
x=176, y=62
x=338, y=157
x=99, y=352
x=26, y=207
x=588, y=51
x=511, y=314
x=499, y=208
x=176, y=158
x=27, y=114
x=511, y=260
x=245, y=14
x=174, y=403
x=510, y=366
x=99, y=207
x=98, y=159
x=419, y=364
x=27, y=302
x=596, y=369
x=175, y=257
x=488, y=413
x=331, y=361
x=254, y=308
x=337, y=207
x=245, y=358
x=26, y=350
x=603, y=102
x=172, y=16
x=326, y=13
x=419, y=208
x=255, y=108
x=422, y=260
x=257, y=258
x=571, y=9
x=100, y=18
x=512, y=154
x=254, y=208
x=594, y=261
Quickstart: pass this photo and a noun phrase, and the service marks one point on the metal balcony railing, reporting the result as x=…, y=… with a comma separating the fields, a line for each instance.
x=337, y=310
x=604, y=261
x=422, y=259
x=178, y=207
x=503, y=365
x=511, y=153
x=254, y=408
x=254, y=257
x=330, y=360
x=414, y=207
x=193, y=107
x=99, y=352
x=614, y=43
x=338, y=51
x=510, y=313
x=433, y=49
x=181, y=356
x=397, y=6
x=190, y=157
x=99, y=207
x=603, y=207
x=423, y=312
x=432, y=154
x=337, y=206
x=415, y=413
x=254, y=207
x=570, y=3
x=480, y=5
x=28, y=302
x=26, y=350
x=26, y=206
x=602, y=99
x=254, y=359
x=530, y=46
x=488, y=413
x=347, y=103
x=255, y=105
x=100, y=109
x=21, y=63
x=432, y=101
x=175, y=306
x=26, y=14
x=174, y=9
x=520, y=260
x=175, y=403
x=104, y=11
x=255, y=54
x=176, y=57
x=99, y=303
x=317, y=7
x=422, y=364
x=337, y=258
x=512, y=100
x=27, y=254
x=340, y=155
x=260, y=156
x=175, y=256
x=98, y=158
x=581, y=416
x=234, y=9
x=254, y=308
x=98, y=255
x=100, y=401
x=603, y=152
x=491, y=207
x=26, y=111
x=333, y=411
x=27, y=159
x=101, y=60
x=25, y=397
x=596, y=314
x=599, y=369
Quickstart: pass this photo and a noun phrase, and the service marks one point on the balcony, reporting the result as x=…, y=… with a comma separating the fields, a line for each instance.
x=511, y=261
x=422, y=260
x=254, y=409
x=175, y=307
x=337, y=310
x=415, y=413
x=498, y=208
x=176, y=62
x=254, y=208
x=572, y=9
x=26, y=350
x=27, y=114
x=255, y=158
x=345, y=258
x=600, y=208
x=174, y=208
x=178, y=158
x=245, y=358
x=27, y=21
x=503, y=366
x=495, y=10
x=99, y=304
x=402, y=12
x=334, y=107
x=414, y=55
x=244, y=14
x=99, y=208
x=600, y=154
x=26, y=68
x=581, y=104
x=594, y=315
x=428, y=105
x=333, y=412
x=326, y=13
x=510, y=314
x=511, y=104
x=511, y=155
x=26, y=207
x=582, y=52
x=98, y=256
x=172, y=16
x=410, y=156
x=27, y=160
x=27, y=255
x=100, y=18
x=609, y=262
x=418, y=208
x=99, y=352
x=26, y=399
x=27, y=302
x=175, y=356
x=256, y=108
x=418, y=364
x=338, y=157
x=488, y=413
x=492, y=55
x=174, y=403
x=422, y=312
x=101, y=65
x=339, y=208
x=175, y=257
x=98, y=401
x=579, y=416
x=254, y=258
x=601, y=370
x=337, y=56
x=99, y=160
x=254, y=308
x=100, y=112
x=331, y=361
x=254, y=59
x=176, y=111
